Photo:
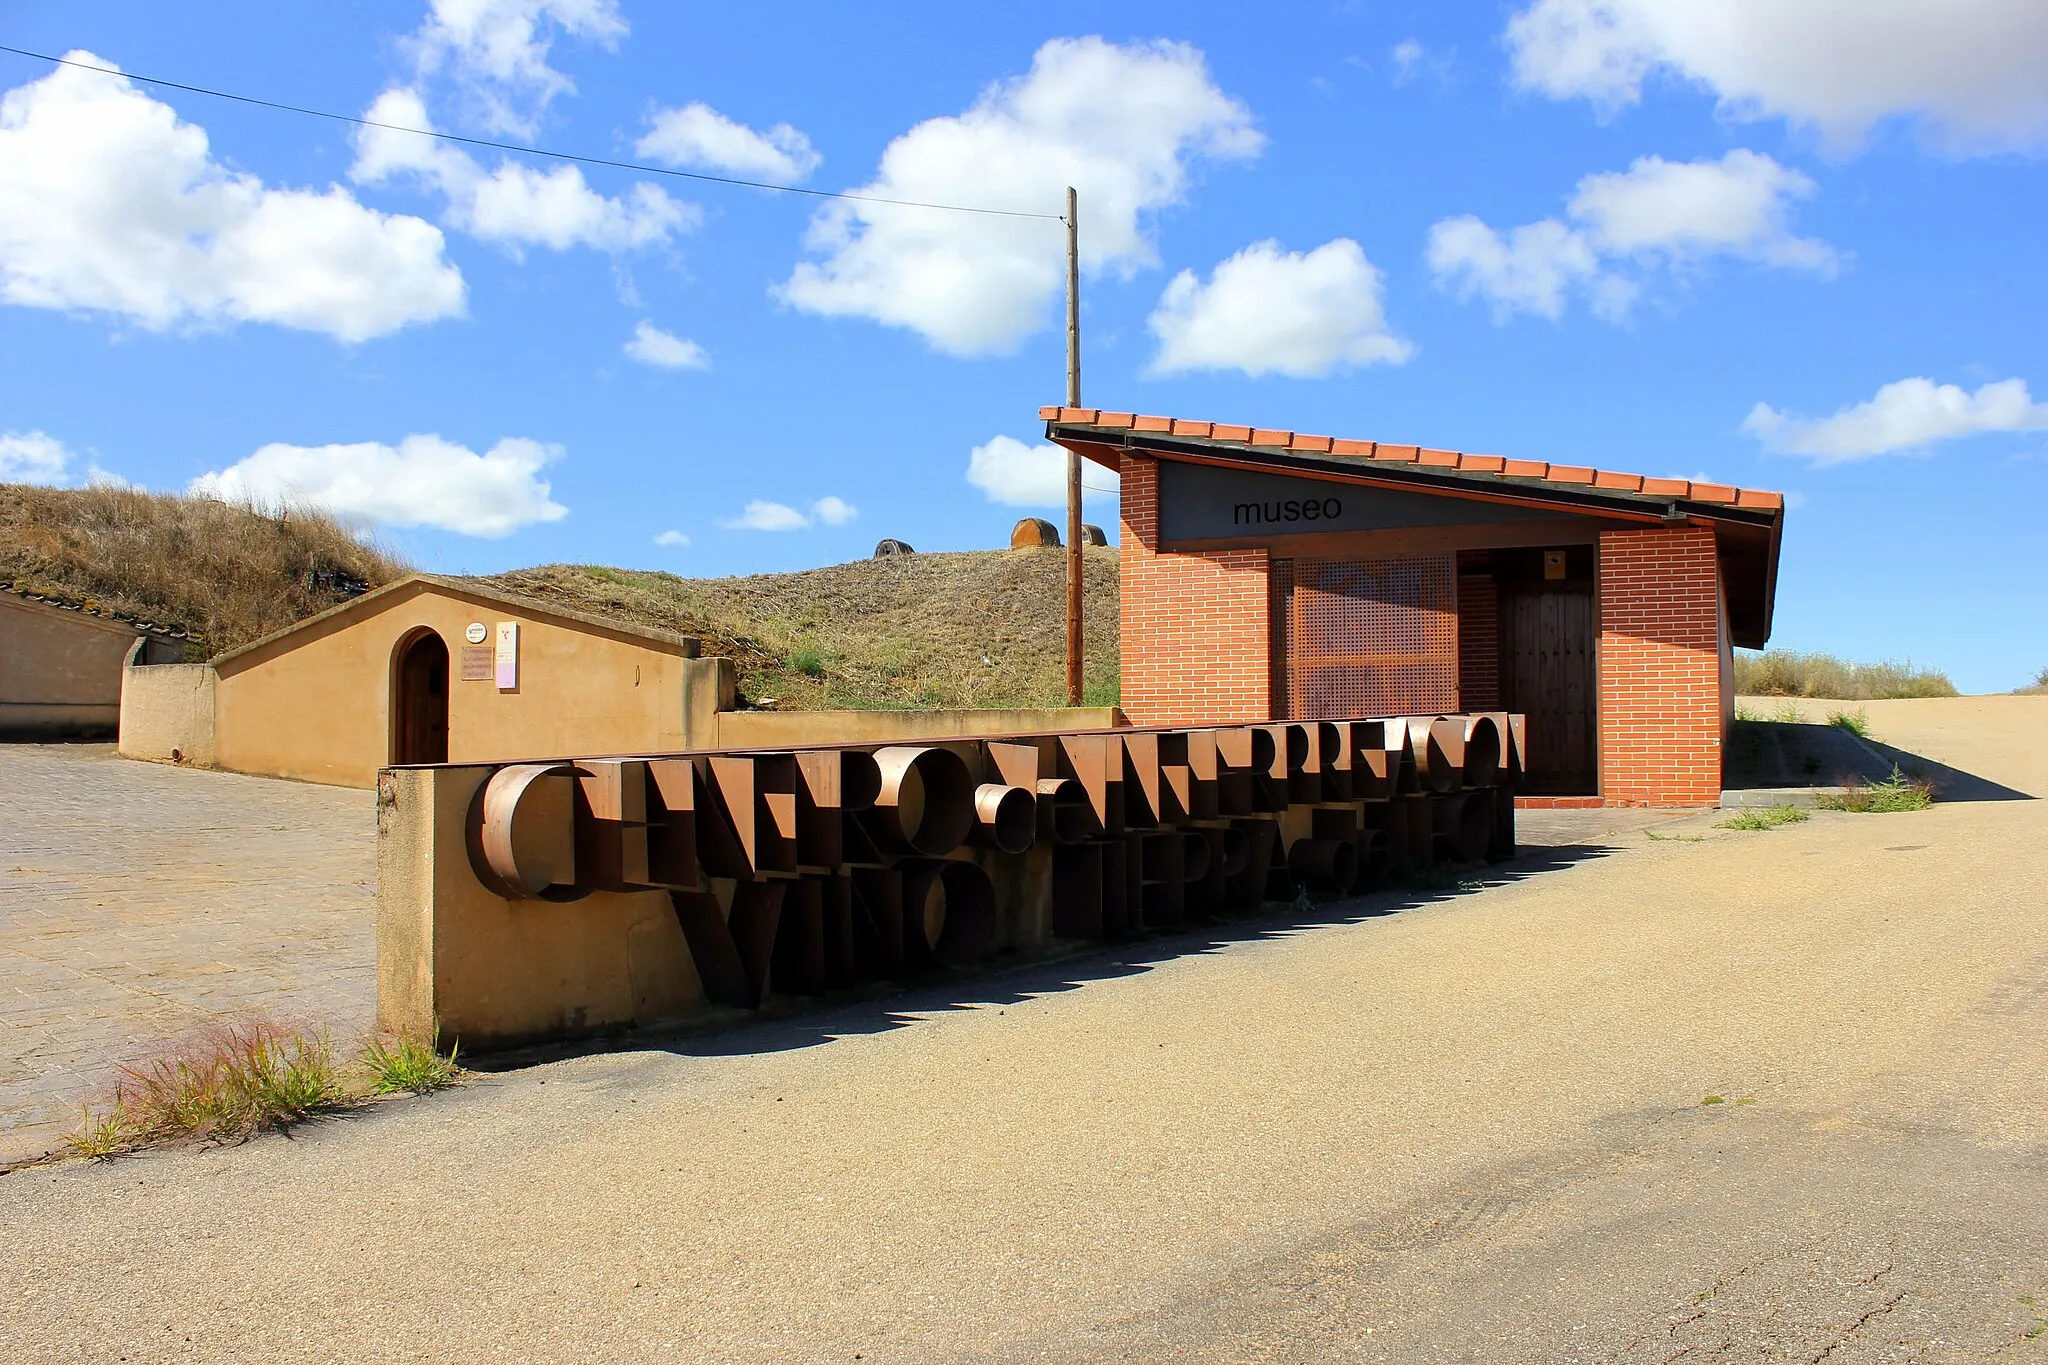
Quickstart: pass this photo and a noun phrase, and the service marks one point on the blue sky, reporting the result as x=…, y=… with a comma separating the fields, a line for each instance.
x=1754, y=241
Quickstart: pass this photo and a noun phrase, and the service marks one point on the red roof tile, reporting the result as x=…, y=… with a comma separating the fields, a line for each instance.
x=1605, y=479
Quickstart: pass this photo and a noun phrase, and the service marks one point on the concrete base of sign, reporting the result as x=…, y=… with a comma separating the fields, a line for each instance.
x=492, y=973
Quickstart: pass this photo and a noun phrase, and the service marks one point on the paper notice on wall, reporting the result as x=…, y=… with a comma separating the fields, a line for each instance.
x=508, y=654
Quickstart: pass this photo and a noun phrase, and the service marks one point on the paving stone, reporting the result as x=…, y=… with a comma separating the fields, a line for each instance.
x=140, y=902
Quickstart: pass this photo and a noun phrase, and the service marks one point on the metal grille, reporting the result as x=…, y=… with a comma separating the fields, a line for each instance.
x=1372, y=637
x=1281, y=610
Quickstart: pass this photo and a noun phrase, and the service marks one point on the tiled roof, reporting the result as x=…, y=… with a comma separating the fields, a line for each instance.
x=87, y=607
x=1300, y=443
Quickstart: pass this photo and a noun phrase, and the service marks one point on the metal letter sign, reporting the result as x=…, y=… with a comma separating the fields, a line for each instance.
x=508, y=654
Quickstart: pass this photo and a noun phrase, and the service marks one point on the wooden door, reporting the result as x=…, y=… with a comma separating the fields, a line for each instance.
x=420, y=732
x=1547, y=672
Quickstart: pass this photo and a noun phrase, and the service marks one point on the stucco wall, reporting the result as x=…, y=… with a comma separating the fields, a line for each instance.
x=316, y=705
x=60, y=671
x=167, y=713
x=488, y=972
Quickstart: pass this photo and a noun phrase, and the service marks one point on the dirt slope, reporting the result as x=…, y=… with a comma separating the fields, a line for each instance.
x=982, y=628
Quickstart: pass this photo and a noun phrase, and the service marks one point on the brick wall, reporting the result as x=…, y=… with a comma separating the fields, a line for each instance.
x=1478, y=643
x=1660, y=667
x=1195, y=645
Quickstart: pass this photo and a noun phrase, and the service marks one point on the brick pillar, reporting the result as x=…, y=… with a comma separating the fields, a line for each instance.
x=1660, y=668
x=1478, y=644
x=1194, y=625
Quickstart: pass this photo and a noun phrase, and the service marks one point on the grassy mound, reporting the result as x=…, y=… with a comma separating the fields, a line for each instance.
x=226, y=575
x=1786, y=673
x=979, y=628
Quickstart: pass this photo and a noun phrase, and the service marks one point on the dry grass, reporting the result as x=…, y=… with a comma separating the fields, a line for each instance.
x=2037, y=687
x=1784, y=673
x=232, y=1080
x=224, y=574
x=980, y=628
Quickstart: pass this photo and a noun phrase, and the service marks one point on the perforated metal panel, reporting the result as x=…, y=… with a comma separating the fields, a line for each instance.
x=1372, y=637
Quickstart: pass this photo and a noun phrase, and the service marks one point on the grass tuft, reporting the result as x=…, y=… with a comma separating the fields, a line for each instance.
x=1713, y=1099
x=1890, y=796
x=1786, y=673
x=808, y=662
x=1856, y=722
x=233, y=1080
x=1763, y=817
x=2035, y=688
x=236, y=1080
x=406, y=1065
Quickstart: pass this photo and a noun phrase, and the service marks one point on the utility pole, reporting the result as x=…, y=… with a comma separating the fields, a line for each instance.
x=1074, y=560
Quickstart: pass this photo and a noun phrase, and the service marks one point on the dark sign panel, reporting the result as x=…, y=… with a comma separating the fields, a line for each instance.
x=1205, y=502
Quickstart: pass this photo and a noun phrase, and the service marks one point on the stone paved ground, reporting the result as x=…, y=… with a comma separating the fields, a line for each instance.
x=140, y=902
x=1471, y=1127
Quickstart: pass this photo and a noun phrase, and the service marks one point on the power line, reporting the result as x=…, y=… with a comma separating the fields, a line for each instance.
x=530, y=151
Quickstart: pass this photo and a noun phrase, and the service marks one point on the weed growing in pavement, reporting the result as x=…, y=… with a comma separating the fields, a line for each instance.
x=1764, y=817
x=1713, y=1099
x=1744, y=712
x=405, y=1064
x=1895, y=793
x=235, y=1080
x=1856, y=722
x=1655, y=837
x=1786, y=712
x=102, y=1137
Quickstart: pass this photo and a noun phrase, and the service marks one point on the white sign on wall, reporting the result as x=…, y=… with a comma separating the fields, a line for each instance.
x=508, y=654
x=477, y=633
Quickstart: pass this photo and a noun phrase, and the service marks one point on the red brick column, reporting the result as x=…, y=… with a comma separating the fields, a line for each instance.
x=1195, y=626
x=1660, y=668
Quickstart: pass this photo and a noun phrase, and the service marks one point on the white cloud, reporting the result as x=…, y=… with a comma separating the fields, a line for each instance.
x=1907, y=415
x=834, y=511
x=108, y=203
x=664, y=350
x=672, y=538
x=1971, y=68
x=1528, y=269
x=1122, y=124
x=1019, y=475
x=776, y=516
x=698, y=136
x=1407, y=55
x=1626, y=226
x=32, y=457
x=423, y=481
x=497, y=51
x=1270, y=311
x=516, y=205
x=767, y=516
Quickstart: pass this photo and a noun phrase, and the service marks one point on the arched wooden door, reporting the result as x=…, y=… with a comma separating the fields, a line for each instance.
x=419, y=702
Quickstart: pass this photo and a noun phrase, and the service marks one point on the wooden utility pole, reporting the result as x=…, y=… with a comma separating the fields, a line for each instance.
x=1074, y=560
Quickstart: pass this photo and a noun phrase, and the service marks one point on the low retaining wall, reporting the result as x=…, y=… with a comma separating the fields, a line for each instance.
x=167, y=713
x=807, y=729
x=528, y=901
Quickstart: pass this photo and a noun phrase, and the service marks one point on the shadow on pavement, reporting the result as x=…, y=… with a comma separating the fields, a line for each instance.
x=787, y=1023
x=1766, y=754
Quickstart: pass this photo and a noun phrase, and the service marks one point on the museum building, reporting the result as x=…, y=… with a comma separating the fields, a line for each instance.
x=1272, y=575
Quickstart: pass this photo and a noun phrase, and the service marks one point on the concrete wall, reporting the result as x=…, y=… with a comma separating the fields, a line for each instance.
x=489, y=972
x=799, y=729
x=167, y=712
x=316, y=704
x=60, y=671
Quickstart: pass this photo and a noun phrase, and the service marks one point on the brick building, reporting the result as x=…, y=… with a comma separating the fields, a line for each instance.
x=1274, y=575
